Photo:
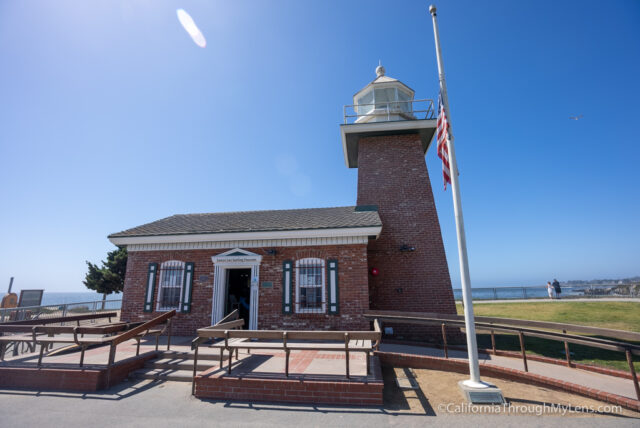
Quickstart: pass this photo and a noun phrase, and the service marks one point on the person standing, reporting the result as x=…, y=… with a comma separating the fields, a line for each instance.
x=550, y=290
x=556, y=287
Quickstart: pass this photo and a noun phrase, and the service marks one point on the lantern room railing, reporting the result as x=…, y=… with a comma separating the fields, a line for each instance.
x=390, y=110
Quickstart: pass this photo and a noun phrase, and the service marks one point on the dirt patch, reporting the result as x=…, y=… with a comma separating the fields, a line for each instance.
x=437, y=393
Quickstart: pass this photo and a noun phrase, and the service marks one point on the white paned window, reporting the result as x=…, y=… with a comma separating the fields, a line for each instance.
x=310, y=286
x=170, y=285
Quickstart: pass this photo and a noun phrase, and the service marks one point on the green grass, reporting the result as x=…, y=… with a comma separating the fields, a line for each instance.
x=615, y=315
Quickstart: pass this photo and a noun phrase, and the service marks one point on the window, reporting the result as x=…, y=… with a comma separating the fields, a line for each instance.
x=170, y=285
x=310, y=286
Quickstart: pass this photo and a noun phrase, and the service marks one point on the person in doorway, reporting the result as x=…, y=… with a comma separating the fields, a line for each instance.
x=556, y=287
x=550, y=290
x=243, y=303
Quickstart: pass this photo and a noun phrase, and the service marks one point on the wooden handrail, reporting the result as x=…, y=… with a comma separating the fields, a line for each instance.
x=598, y=331
x=44, y=321
x=230, y=317
x=517, y=327
x=224, y=325
x=146, y=326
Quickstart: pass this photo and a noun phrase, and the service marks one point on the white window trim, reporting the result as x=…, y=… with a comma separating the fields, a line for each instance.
x=300, y=310
x=174, y=263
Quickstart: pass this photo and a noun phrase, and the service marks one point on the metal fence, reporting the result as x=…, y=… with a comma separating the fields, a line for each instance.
x=387, y=110
x=58, y=310
x=540, y=292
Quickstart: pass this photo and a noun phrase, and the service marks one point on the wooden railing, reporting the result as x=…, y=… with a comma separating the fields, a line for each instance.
x=287, y=341
x=56, y=320
x=523, y=328
x=137, y=333
x=9, y=338
x=230, y=322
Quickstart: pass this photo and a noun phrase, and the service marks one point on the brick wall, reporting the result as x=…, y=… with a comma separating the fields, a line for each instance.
x=352, y=282
x=210, y=384
x=70, y=378
x=392, y=174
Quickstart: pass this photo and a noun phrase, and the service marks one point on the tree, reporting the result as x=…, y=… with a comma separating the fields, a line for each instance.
x=109, y=278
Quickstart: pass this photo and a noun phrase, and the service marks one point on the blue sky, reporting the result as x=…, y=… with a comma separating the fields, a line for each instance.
x=112, y=117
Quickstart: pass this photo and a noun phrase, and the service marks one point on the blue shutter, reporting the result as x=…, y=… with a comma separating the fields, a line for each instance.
x=287, y=292
x=151, y=287
x=187, y=288
x=332, y=281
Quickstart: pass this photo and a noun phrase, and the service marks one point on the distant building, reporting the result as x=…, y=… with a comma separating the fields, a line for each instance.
x=309, y=268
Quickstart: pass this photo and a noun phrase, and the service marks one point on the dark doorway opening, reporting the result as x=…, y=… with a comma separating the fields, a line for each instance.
x=238, y=293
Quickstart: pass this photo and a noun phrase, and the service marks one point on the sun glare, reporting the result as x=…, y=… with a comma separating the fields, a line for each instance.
x=191, y=28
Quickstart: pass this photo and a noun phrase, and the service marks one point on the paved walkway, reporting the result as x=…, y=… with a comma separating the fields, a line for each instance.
x=259, y=362
x=579, y=299
x=170, y=404
x=589, y=379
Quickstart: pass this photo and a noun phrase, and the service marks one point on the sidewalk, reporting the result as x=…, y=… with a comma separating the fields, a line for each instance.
x=566, y=299
x=611, y=384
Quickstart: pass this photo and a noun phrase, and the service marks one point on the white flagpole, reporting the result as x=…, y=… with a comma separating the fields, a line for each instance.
x=469, y=322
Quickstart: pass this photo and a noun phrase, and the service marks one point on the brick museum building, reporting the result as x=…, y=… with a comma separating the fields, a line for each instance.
x=318, y=268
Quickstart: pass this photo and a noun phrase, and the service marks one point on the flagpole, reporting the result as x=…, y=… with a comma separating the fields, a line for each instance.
x=472, y=347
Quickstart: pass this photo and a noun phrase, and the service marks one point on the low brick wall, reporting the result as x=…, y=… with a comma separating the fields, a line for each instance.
x=461, y=366
x=70, y=379
x=220, y=386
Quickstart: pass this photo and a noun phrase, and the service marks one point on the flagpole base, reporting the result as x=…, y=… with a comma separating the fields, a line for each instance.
x=481, y=392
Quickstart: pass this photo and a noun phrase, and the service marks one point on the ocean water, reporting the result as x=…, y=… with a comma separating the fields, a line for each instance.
x=58, y=298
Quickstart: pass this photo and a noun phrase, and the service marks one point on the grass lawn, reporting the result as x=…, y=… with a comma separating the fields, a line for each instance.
x=615, y=315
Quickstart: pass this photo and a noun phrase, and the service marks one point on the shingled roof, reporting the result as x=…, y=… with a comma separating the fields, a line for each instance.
x=258, y=221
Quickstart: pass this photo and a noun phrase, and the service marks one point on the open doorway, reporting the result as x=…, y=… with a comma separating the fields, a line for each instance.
x=238, y=293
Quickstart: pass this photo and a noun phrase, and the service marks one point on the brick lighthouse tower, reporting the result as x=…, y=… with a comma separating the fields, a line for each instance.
x=386, y=138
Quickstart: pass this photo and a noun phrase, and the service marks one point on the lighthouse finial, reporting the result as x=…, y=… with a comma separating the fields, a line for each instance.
x=380, y=69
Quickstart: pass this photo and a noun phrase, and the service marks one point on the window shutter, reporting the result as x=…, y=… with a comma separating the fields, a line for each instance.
x=187, y=288
x=151, y=287
x=287, y=303
x=332, y=280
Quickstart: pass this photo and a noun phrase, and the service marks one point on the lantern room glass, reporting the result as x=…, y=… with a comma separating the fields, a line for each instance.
x=392, y=99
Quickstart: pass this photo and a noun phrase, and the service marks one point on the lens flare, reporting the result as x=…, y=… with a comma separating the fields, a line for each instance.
x=191, y=28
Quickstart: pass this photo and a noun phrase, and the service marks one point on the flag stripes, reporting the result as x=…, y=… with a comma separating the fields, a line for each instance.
x=443, y=137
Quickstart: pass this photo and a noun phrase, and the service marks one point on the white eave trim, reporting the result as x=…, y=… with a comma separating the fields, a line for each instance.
x=248, y=236
x=396, y=125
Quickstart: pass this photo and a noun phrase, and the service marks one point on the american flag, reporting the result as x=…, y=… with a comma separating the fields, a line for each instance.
x=443, y=137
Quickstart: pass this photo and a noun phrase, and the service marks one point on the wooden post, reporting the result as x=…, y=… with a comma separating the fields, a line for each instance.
x=566, y=350
x=42, y=345
x=83, y=348
x=195, y=365
x=346, y=351
x=169, y=335
x=368, y=364
x=221, y=356
x=286, y=354
x=493, y=342
x=524, y=355
x=633, y=373
x=444, y=340
x=112, y=358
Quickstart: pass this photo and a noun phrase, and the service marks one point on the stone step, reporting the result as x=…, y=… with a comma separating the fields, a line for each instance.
x=177, y=355
x=173, y=364
x=164, y=374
